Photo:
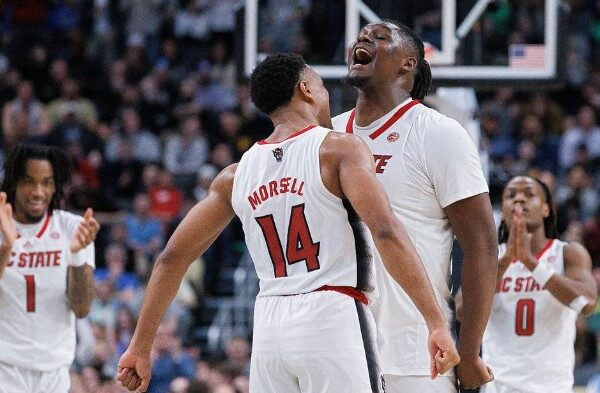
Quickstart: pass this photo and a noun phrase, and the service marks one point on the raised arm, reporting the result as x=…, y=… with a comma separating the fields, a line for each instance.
x=80, y=275
x=356, y=173
x=576, y=288
x=193, y=236
x=8, y=231
x=473, y=224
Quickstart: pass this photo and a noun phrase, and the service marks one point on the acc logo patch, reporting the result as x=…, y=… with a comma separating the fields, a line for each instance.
x=393, y=137
x=54, y=235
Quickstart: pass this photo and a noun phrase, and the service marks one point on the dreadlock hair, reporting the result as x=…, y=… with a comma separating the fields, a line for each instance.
x=14, y=170
x=422, y=82
x=273, y=81
x=550, y=230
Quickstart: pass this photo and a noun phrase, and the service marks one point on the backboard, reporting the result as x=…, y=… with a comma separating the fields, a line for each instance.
x=471, y=42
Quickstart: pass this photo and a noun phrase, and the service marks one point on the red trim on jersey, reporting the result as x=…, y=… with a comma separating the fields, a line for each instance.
x=295, y=134
x=350, y=291
x=544, y=249
x=401, y=111
x=350, y=124
x=44, y=226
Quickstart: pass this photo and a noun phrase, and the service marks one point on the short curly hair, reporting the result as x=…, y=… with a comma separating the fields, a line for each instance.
x=273, y=81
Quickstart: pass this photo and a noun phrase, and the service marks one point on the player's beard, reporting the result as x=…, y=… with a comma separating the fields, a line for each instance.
x=33, y=219
x=357, y=81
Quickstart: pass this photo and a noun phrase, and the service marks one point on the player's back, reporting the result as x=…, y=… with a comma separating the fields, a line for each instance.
x=300, y=236
x=37, y=326
x=530, y=330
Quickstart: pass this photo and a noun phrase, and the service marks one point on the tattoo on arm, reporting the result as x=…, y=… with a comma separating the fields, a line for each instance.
x=80, y=289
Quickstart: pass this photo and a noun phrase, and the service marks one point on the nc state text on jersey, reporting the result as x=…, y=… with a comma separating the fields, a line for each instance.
x=380, y=162
x=521, y=284
x=274, y=188
x=34, y=259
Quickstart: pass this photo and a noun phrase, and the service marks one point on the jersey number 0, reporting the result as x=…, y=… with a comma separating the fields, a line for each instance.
x=525, y=317
x=300, y=245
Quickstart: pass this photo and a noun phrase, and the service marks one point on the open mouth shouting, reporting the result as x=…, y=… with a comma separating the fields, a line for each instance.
x=361, y=56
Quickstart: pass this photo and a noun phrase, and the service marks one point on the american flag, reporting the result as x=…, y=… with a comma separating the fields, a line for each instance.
x=527, y=56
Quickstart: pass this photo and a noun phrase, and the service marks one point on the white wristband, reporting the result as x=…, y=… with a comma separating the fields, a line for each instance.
x=542, y=274
x=78, y=259
x=579, y=303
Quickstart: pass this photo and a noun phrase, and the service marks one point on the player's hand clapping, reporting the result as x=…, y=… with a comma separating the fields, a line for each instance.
x=442, y=351
x=7, y=224
x=86, y=232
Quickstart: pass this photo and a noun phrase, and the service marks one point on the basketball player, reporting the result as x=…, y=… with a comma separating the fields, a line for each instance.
x=432, y=174
x=543, y=284
x=299, y=194
x=46, y=266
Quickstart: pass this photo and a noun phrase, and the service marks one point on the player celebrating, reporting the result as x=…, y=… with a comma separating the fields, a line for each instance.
x=432, y=174
x=46, y=265
x=543, y=284
x=299, y=194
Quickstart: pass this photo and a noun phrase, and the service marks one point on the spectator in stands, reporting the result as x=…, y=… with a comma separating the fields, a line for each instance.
x=186, y=104
x=221, y=156
x=84, y=108
x=192, y=29
x=25, y=118
x=585, y=132
x=144, y=233
x=579, y=192
x=115, y=258
x=205, y=176
x=237, y=349
x=158, y=95
x=186, y=152
x=71, y=130
x=211, y=93
x=146, y=146
x=121, y=177
x=145, y=18
x=170, y=361
x=548, y=111
x=282, y=21
x=124, y=328
x=165, y=198
x=543, y=145
x=104, y=306
x=231, y=133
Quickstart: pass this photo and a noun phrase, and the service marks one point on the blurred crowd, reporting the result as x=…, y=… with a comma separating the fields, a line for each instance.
x=147, y=98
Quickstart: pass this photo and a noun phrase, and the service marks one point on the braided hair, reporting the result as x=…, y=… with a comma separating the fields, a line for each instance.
x=422, y=81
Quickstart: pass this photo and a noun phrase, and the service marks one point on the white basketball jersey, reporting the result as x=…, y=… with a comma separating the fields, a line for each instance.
x=529, y=339
x=425, y=161
x=300, y=236
x=37, y=327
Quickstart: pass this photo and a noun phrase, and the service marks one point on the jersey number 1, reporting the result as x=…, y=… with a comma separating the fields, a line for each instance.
x=524, y=322
x=300, y=245
x=30, y=291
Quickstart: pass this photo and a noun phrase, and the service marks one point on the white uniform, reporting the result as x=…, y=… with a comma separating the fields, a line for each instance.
x=529, y=339
x=37, y=327
x=425, y=161
x=312, y=329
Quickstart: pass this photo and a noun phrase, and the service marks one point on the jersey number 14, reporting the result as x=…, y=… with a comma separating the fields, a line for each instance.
x=300, y=245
